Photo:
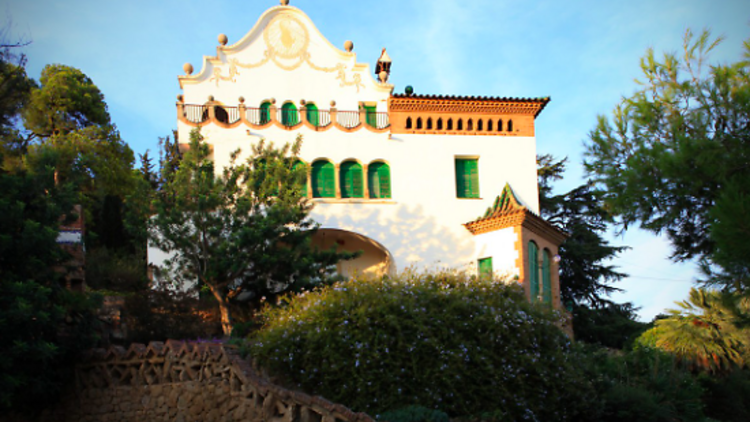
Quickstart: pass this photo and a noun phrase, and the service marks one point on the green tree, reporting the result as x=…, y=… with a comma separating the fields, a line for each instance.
x=586, y=277
x=245, y=230
x=674, y=157
x=42, y=325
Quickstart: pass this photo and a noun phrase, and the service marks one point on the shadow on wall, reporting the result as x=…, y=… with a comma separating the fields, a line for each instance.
x=408, y=233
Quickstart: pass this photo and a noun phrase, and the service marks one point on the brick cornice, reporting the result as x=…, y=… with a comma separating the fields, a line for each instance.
x=521, y=106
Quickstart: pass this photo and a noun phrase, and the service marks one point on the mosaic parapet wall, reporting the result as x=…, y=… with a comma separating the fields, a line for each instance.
x=186, y=382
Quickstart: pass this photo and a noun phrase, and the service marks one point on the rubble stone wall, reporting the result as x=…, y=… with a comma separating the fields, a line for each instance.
x=177, y=381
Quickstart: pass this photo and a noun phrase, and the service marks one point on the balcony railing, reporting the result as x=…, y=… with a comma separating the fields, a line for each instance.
x=199, y=114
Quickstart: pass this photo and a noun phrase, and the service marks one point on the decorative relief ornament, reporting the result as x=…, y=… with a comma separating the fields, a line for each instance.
x=287, y=40
x=286, y=36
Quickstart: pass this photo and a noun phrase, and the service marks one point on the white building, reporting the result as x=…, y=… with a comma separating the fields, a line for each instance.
x=411, y=180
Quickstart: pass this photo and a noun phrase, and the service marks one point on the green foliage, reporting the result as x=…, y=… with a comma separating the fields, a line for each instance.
x=703, y=332
x=643, y=385
x=245, y=230
x=610, y=325
x=66, y=100
x=115, y=271
x=414, y=414
x=584, y=276
x=443, y=341
x=160, y=315
x=673, y=157
x=725, y=397
x=42, y=326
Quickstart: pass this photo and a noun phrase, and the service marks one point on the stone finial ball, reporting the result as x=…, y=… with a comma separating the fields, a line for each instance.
x=273, y=100
x=348, y=46
x=303, y=102
x=223, y=40
x=188, y=68
x=409, y=90
x=179, y=97
x=284, y=2
x=333, y=103
x=210, y=98
x=242, y=100
x=383, y=76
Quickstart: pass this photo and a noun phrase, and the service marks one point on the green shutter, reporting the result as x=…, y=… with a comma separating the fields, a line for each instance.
x=546, y=278
x=467, y=178
x=371, y=116
x=313, y=116
x=265, y=113
x=379, y=180
x=533, y=271
x=485, y=268
x=303, y=181
x=289, y=115
x=351, y=180
x=323, y=185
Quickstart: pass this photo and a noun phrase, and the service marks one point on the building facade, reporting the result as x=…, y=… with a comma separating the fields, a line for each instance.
x=411, y=180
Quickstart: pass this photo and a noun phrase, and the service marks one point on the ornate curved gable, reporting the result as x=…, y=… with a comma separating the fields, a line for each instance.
x=284, y=38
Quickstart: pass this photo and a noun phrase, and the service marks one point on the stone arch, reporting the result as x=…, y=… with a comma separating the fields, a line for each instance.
x=376, y=259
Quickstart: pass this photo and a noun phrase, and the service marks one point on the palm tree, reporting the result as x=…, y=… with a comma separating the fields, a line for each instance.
x=704, y=333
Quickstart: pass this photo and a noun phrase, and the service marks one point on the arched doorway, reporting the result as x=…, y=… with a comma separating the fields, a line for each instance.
x=375, y=260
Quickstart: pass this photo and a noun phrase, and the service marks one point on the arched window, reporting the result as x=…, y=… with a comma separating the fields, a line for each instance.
x=499, y=125
x=419, y=123
x=489, y=125
x=460, y=125
x=533, y=271
x=265, y=113
x=350, y=180
x=379, y=180
x=429, y=123
x=440, y=124
x=450, y=124
x=546, y=277
x=470, y=125
x=323, y=179
x=301, y=167
x=408, y=123
x=510, y=125
x=221, y=114
x=289, y=115
x=480, y=122
x=313, y=117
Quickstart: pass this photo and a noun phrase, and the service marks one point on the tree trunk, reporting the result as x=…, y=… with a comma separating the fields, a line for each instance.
x=226, y=314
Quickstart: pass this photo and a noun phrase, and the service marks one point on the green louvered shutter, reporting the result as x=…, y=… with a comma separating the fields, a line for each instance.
x=379, y=180
x=303, y=182
x=323, y=180
x=289, y=115
x=371, y=116
x=265, y=113
x=467, y=178
x=313, y=116
x=546, y=278
x=351, y=180
x=533, y=271
x=485, y=268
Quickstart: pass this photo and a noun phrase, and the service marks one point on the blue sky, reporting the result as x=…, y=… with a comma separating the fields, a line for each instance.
x=583, y=54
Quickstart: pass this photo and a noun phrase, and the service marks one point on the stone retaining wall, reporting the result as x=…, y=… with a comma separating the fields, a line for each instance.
x=177, y=381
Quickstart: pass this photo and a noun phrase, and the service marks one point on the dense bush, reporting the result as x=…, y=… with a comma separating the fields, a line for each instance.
x=642, y=385
x=443, y=341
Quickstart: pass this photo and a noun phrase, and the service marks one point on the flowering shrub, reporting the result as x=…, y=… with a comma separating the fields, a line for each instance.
x=444, y=341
